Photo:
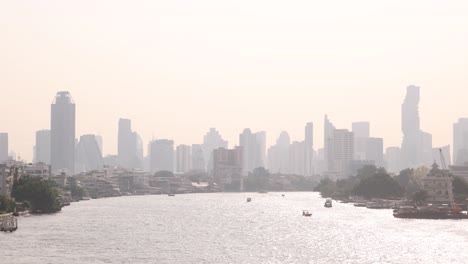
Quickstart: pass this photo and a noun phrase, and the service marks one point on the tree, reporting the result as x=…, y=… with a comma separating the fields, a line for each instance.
x=6, y=204
x=41, y=194
x=419, y=197
x=380, y=185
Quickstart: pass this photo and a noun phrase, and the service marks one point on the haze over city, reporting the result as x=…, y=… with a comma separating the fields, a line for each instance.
x=178, y=68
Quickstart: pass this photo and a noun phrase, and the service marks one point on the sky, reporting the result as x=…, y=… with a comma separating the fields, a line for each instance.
x=179, y=67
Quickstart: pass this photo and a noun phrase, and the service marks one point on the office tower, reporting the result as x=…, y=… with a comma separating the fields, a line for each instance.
x=3, y=147
x=427, y=158
x=212, y=140
x=297, y=151
x=198, y=162
x=278, y=154
x=361, y=132
x=62, y=133
x=138, y=162
x=127, y=145
x=183, y=159
x=361, y=129
x=261, y=141
x=393, y=160
x=340, y=153
x=88, y=154
x=228, y=168
x=99, y=142
x=309, y=149
x=411, y=147
x=252, y=144
x=374, y=151
x=43, y=146
x=460, y=141
x=329, y=129
x=162, y=155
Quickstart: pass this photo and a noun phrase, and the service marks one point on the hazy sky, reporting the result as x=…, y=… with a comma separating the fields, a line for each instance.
x=178, y=67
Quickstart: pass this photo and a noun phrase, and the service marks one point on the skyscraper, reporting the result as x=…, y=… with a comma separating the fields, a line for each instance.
x=309, y=149
x=162, y=155
x=62, y=133
x=227, y=168
x=211, y=141
x=88, y=154
x=361, y=132
x=3, y=147
x=361, y=129
x=99, y=142
x=329, y=129
x=374, y=151
x=198, y=162
x=393, y=159
x=252, y=144
x=460, y=141
x=278, y=154
x=43, y=146
x=340, y=153
x=410, y=124
x=183, y=158
x=127, y=144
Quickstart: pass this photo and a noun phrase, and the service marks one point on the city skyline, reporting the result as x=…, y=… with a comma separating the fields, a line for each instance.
x=318, y=143
x=180, y=72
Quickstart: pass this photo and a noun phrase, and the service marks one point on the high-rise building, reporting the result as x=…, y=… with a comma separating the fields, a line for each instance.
x=411, y=149
x=99, y=142
x=162, y=155
x=329, y=129
x=88, y=154
x=340, y=153
x=278, y=154
x=460, y=141
x=127, y=145
x=183, y=159
x=361, y=132
x=3, y=147
x=374, y=151
x=227, y=168
x=427, y=158
x=309, y=149
x=42, y=149
x=393, y=159
x=198, y=162
x=62, y=133
x=252, y=144
x=297, y=151
x=211, y=141
x=361, y=129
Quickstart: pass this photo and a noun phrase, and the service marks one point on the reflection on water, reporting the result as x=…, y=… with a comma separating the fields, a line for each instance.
x=224, y=228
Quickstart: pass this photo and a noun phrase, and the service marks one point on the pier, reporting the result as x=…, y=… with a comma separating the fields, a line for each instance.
x=8, y=223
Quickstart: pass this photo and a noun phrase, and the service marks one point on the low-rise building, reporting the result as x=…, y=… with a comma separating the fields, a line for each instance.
x=38, y=170
x=436, y=184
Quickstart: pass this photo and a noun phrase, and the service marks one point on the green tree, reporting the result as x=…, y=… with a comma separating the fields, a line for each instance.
x=419, y=197
x=380, y=185
x=41, y=194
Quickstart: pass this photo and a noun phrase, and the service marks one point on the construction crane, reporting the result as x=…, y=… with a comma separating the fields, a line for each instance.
x=446, y=174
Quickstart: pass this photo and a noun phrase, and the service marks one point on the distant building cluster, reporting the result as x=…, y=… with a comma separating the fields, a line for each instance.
x=57, y=150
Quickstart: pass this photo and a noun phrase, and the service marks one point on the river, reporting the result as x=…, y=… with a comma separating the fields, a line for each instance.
x=223, y=228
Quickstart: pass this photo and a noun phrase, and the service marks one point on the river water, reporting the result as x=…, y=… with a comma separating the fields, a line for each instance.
x=223, y=228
